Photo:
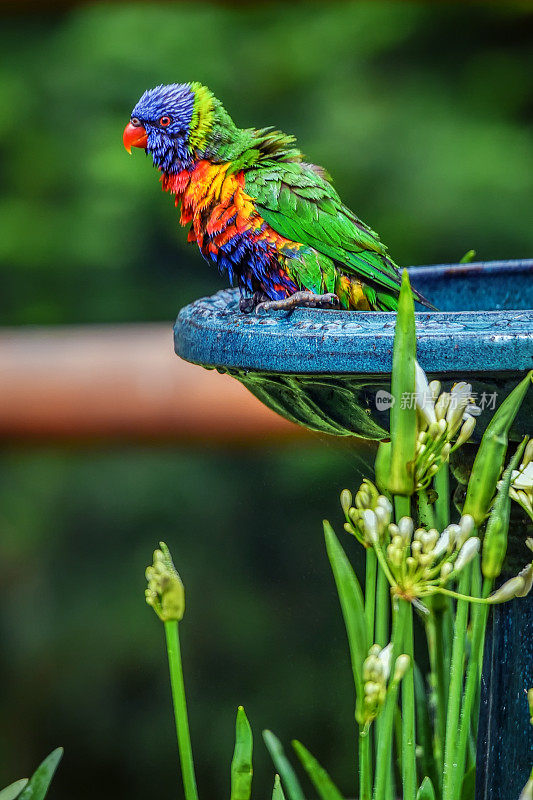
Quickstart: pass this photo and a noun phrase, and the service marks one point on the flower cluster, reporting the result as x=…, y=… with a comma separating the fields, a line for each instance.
x=376, y=673
x=165, y=592
x=521, y=488
x=420, y=560
x=416, y=562
x=441, y=416
x=367, y=498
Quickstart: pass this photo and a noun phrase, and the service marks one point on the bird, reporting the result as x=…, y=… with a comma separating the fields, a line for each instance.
x=268, y=219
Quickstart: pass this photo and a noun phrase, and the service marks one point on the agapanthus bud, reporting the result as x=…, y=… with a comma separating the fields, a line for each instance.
x=401, y=667
x=466, y=432
x=527, y=575
x=467, y=525
x=507, y=590
x=405, y=527
x=435, y=387
x=385, y=657
x=370, y=523
x=528, y=455
x=467, y=552
x=443, y=545
x=442, y=404
x=456, y=535
x=446, y=570
x=165, y=592
x=346, y=500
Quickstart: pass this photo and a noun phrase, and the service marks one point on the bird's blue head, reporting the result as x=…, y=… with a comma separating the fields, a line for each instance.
x=171, y=123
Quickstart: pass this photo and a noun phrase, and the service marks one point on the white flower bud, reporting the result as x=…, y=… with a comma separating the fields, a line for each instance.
x=441, y=406
x=445, y=571
x=385, y=657
x=528, y=454
x=384, y=503
x=467, y=552
x=508, y=590
x=371, y=526
x=467, y=525
x=527, y=575
x=401, y=667
x=382, y=517
x=406, y=527
x=435, y=387
x=443, y=544
x=466, y=431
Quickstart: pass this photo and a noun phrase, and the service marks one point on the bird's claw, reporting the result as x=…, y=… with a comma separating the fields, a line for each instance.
x=300, y=300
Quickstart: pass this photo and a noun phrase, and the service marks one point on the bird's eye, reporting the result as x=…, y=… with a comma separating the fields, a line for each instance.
x=135, y=121
x=165, y=121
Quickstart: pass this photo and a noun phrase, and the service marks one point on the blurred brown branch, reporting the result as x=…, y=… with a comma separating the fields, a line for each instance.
x=121, y=382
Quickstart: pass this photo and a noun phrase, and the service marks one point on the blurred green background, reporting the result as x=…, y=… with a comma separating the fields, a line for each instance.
x=422, y=113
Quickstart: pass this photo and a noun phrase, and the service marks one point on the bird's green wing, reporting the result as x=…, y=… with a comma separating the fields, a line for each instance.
x=298, y=203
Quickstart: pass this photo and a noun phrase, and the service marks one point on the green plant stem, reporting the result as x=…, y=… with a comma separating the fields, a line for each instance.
x=440, y=669
x=456, y=684
x=365, y=765
x=370, y=593
x=402, y=506
x=382, y=638
x=384, y=745
x=408, y=712
x=180, y=710
x=479, y=624
x=442, y=503
x=426, y=513
x=382, y=609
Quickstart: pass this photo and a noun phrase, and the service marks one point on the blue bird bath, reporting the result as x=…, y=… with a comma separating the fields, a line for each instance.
x=330, y=371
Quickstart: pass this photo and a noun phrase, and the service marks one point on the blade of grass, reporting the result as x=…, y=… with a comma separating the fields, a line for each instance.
x=12, y=791
x=317, y=774
x=426, y=791
x=352, y=605
x=277, y=791
x=241, y=765
x=283, y=766
x=39, y=783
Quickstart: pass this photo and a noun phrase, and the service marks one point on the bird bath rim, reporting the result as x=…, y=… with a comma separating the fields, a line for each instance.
x=213, y=332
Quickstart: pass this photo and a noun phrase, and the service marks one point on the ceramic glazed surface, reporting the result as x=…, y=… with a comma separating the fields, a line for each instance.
x=324, y=369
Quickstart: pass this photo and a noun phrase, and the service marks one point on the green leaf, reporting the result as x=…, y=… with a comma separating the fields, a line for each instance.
x=241, y=765
x=277, y=792
x=12, y=791
x=496, y=532
x=403, y=415
x=491, y=454
x=283, y=766
x=41, y=779
x=426, y=791
x=352, y=604
x=318, y=775
x=468, y=788
x=468, y=257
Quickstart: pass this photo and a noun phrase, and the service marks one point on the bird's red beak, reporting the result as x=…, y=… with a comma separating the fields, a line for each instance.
x=134, y=136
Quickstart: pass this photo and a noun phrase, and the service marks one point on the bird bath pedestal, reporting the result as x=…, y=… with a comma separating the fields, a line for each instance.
x=330, y=371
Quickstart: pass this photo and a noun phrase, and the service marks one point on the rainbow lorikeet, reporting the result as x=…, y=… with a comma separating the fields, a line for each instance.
x=257, y=210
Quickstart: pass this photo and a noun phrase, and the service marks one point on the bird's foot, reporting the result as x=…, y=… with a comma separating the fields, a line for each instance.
x=300, y=300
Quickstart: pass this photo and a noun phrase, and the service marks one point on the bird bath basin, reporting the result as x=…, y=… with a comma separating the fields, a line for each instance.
x=330, y=371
